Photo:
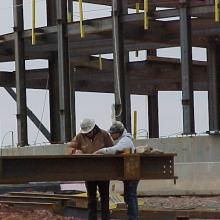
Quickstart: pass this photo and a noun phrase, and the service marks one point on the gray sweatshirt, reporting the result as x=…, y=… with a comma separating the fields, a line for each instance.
x=124, y=142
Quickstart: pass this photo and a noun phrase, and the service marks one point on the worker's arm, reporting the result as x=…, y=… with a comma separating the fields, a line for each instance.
x=123, y=144
x=73, y=146
x=108, y=140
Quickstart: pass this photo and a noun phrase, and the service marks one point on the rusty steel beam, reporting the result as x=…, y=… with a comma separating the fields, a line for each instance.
x=25, y=169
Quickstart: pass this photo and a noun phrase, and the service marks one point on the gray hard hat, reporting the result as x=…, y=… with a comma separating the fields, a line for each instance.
x=117, y=127
x=87, y=125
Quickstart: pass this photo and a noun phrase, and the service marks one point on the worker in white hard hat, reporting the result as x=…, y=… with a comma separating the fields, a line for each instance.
x=124, y=142
x=90, y=139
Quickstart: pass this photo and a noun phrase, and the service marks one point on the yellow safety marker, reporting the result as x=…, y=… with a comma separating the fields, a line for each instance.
x=100, y=62
x=145, y=14
x=217, y=10
x=82, y=34
x=33, y=38
x=135, y=125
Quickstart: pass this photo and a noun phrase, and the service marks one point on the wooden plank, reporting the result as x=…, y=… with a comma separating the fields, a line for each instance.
x=27, y=198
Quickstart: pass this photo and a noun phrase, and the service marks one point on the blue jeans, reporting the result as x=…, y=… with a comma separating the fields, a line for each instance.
x=130, y=196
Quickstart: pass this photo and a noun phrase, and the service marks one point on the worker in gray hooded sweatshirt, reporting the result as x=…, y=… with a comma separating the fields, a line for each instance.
x=124, y=142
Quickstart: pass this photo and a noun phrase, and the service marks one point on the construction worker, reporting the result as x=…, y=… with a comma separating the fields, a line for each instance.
x=124, y=143
x=90, y=139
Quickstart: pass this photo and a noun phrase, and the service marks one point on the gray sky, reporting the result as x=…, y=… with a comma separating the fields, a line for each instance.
x=170, y=109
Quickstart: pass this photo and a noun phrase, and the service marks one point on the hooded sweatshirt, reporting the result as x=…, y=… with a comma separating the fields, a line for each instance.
x=124, y=142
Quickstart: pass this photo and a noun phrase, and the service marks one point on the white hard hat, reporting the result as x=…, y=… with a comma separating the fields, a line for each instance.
x=117, y=127
x=87, y=125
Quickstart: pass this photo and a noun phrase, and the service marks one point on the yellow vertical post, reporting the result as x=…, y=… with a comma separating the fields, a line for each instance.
x=82, y=34
x=100, y=62
x=33, y=39
x=145, y=14
x=137, y=11
x=135, y=125
x=217, y=10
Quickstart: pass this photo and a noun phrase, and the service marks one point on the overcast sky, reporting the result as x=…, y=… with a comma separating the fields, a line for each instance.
x=170, y=109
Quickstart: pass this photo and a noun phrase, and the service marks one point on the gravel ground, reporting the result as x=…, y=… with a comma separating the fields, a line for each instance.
x=183, y=202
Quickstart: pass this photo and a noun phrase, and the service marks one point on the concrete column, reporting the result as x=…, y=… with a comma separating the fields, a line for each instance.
x=122, y=95
x=213, y=55
x=186, y=68
x=20, y=73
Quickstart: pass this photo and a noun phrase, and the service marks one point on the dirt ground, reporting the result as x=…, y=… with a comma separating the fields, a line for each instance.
x=175, y=203
x=10, y=213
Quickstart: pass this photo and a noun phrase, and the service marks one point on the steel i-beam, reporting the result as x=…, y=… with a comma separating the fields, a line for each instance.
x=25, y=169
x=20, y=73
x=186, y=68
x=122, y=95
x=214, y=86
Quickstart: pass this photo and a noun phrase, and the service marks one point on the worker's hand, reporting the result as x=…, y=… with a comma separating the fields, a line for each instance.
x=71, y=151
x=78, y=152
x=100, y=151
x=71, y=148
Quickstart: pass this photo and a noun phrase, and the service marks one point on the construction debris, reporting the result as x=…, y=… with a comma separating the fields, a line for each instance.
x=146, y=149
